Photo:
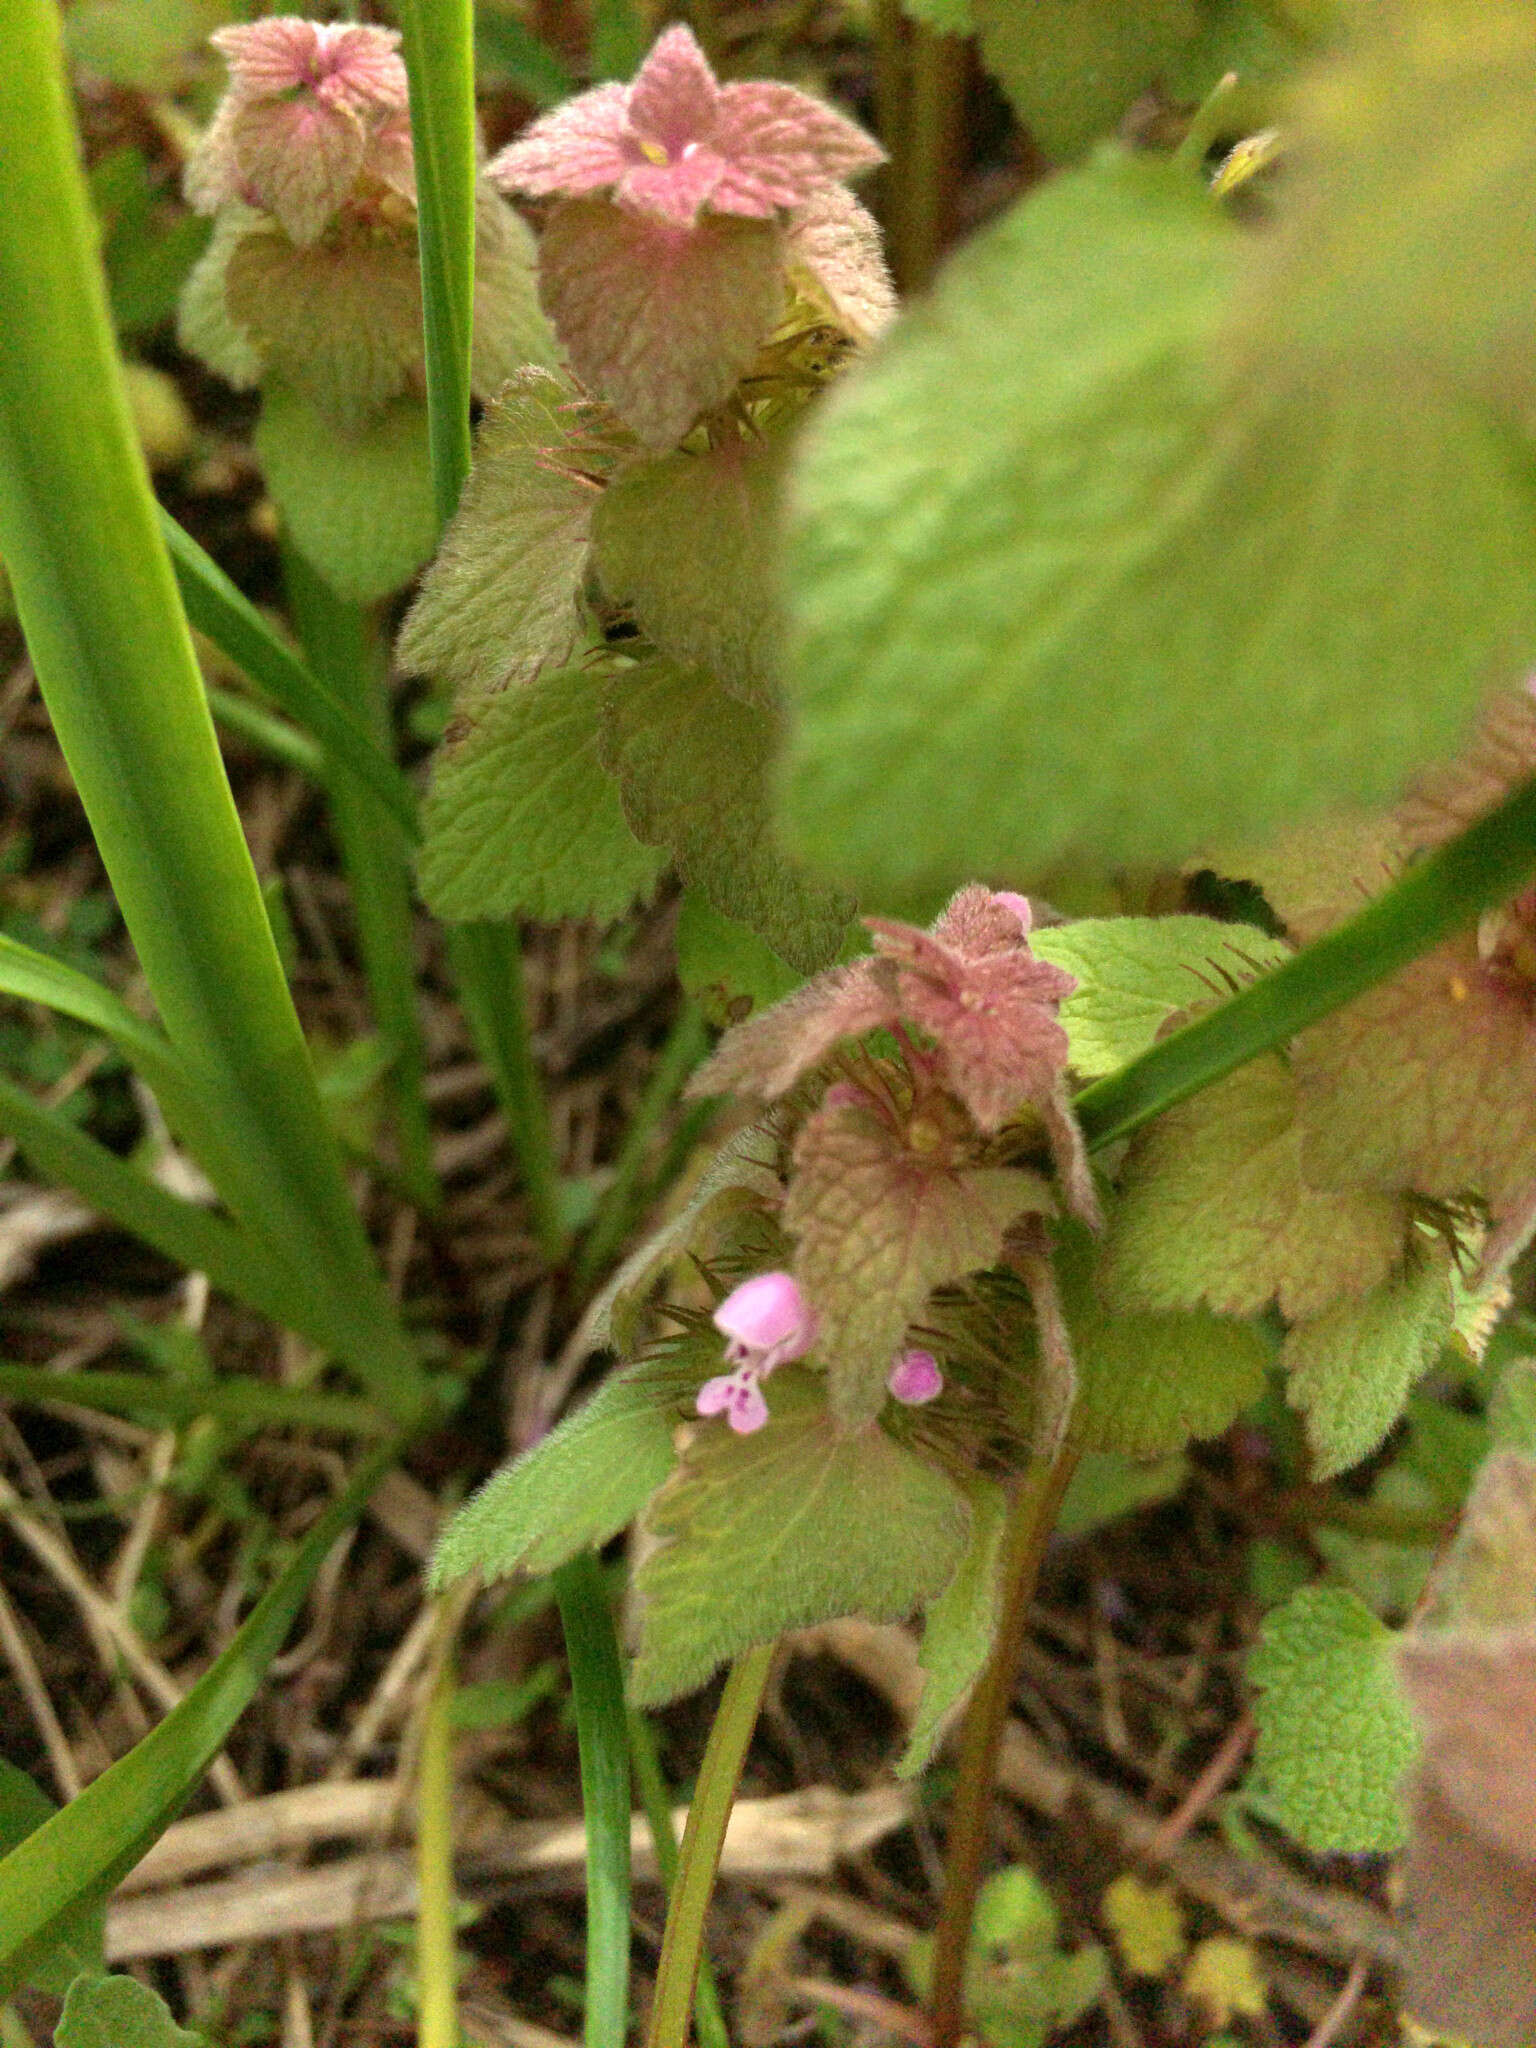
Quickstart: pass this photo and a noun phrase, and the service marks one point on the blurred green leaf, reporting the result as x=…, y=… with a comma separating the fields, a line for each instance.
x=75, y=1944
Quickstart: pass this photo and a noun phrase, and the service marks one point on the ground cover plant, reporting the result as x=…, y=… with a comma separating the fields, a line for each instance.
x=904, y=645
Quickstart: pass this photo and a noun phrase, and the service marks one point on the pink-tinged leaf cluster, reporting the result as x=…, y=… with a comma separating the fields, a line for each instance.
x=1428, y=1081
x=883, y=1209
x=312, y=109
x=974, y=990
x=683, y=208
x=675, y=142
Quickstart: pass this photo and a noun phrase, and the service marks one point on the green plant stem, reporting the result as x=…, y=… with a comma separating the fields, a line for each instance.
x=439, y=43
x=487, y=963
x=114, y=660
x=436, y=1913
x=597, y=1686
x=927, y=167
x=656, y=1803
x=1438, y=896
x=346, y=654
x=683, y=1942
x=247, y=1403
x=1031, y=1517
x=686, y=1044
x=84, y=1849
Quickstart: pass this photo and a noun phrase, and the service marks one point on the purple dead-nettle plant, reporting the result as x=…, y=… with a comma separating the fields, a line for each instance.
x=684, y=212
x=311, y=279
x=944, y=1062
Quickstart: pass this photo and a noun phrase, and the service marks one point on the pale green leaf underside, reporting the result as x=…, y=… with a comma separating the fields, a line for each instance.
x=784, y=1528
x=1057, y=590
x=1335, y=1735
x=102, y=2011
x=577, y=1487
x=358, y=506
x=521, y=819
x=1135, y=973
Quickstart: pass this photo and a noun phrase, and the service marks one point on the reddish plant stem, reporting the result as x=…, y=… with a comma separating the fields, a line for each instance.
x=1031, y=1518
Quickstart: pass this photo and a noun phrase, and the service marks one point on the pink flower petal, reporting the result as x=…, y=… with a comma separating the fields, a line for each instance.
x=737, y=1396
x=748, y=1410
x=674, y=97
x=1009, y=899
x=580, y=147
x=915, y=1378
x=768, y=1314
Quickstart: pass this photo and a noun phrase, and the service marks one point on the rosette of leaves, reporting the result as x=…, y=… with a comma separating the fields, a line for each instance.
x=310, y=289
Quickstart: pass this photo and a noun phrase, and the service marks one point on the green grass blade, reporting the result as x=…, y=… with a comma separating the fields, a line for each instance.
x=1439, y=895
x=439, y=38
x=264, y=729
x=34, y=977
x=84, y=1850
x=597, y=1683
x=235, y=1263
x=114, y=660
x=226, y=616
x=345, y=651
x=243, y=1403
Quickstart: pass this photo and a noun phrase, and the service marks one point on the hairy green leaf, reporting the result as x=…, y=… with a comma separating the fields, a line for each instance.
x=794, y=1524
x=1147, y=1384
x=878, y=1225
x=1106, y=1486
x=1351, y=1368
x=102, y=2011
x=1215, y=1211
x=1041, y=499
x=1335, y=1734
x=958, y=1629
x=692, y=763
x=576, y=1487
x=1137, y=975
x=358, y=506
x=687, y=541
x=499, y=602
x=1428, y=1081
x=521, y=819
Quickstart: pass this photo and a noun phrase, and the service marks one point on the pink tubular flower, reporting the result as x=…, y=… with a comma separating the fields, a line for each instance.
x=311, y=106
x=915, y=1378
x=674, y=142
x=767, y=1323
